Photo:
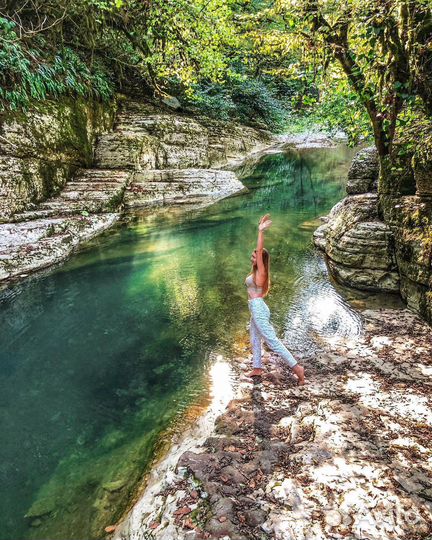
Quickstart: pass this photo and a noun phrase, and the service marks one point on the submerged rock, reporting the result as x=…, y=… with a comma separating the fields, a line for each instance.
x=116, y=485
x=40, y=508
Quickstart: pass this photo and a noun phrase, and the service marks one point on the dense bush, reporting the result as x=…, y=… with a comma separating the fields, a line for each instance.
x=34, y=73
x=339, y=110
x=251, y=101
x=264, y=63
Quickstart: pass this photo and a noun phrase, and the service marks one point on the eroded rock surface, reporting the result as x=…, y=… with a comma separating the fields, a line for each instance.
x=363, y=173
x=28, y=246
x=147, y=138
x=153, y=157
x=176, y=186
x=358, y=244
x=347, y=456
x=389, y=250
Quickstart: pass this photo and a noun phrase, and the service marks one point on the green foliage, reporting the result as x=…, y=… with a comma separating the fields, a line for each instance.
x=33, y=74
x=258, y=61
x=414, y=137
x=251, y=101
x=340, y=109
x=377, y=44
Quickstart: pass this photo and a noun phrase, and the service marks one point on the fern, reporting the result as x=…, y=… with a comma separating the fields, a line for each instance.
x=36, y=74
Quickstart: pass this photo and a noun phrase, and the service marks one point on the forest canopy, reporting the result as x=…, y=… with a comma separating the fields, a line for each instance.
x=363, y=66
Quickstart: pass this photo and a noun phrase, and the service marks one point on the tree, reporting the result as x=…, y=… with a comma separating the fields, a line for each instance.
x=376, y=43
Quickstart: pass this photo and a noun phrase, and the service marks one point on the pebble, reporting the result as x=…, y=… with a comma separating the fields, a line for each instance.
x=333, y=518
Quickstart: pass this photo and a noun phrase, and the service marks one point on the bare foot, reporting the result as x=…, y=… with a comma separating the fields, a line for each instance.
x=299, y=372
x=256, y=372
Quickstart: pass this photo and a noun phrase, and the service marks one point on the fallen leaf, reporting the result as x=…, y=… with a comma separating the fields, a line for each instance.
x=189, y=523
x=183, y=511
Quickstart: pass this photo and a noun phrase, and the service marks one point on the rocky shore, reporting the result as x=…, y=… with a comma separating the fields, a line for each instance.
x=347, y=456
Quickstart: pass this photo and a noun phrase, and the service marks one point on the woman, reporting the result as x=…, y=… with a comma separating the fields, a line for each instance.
x=258, y=284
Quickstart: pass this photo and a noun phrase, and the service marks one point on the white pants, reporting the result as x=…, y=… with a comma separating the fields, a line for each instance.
x=261, y=328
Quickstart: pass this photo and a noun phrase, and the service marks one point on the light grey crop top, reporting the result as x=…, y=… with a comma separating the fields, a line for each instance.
x=251, y=286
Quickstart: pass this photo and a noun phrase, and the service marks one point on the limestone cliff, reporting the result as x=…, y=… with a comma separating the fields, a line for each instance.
x=382, y=241
x=42, y=148
x=68, y=171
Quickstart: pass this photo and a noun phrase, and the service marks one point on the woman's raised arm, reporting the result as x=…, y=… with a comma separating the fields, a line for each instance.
x=263, y=225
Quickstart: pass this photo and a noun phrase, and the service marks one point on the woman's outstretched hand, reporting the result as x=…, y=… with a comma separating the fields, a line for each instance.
x=264, y=223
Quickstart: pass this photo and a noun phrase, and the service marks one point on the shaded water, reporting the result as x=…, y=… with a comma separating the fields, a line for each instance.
x=98, y=356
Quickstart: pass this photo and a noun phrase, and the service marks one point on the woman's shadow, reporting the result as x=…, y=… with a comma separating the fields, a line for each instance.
x=262, y=417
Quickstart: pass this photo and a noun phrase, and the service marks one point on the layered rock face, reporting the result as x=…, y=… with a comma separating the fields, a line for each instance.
x=175, y=159
x=177, y=186
x=383, y=242
x=410, y=218
x=55, y=198
x=41, y=149
x=359, y=246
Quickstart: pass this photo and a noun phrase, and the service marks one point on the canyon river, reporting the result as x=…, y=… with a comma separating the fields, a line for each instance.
x=101, y=355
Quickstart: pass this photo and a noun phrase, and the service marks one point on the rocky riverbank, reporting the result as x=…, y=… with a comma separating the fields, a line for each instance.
x=348, y=455
x=69, y=171
x=378, y=239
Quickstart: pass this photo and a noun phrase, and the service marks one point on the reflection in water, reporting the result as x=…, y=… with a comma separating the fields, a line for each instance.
x=318, y=310
x=98, y=357
x=222, y=383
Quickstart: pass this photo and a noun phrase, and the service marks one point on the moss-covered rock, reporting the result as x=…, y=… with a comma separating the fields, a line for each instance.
x=384, y=241
x=63, y=130
x=410, y=219
x=29, y=180
x=40, y=149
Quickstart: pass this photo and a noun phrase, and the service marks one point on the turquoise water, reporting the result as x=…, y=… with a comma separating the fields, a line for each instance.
x=98, y=356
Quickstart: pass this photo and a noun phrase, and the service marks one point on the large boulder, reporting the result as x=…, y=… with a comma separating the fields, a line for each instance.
x=359, y=246
x=364, y=171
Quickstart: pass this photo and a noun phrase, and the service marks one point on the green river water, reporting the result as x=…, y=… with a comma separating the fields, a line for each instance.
x=101, y=354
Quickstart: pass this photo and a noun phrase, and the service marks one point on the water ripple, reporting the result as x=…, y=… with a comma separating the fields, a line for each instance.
x=318, y=310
